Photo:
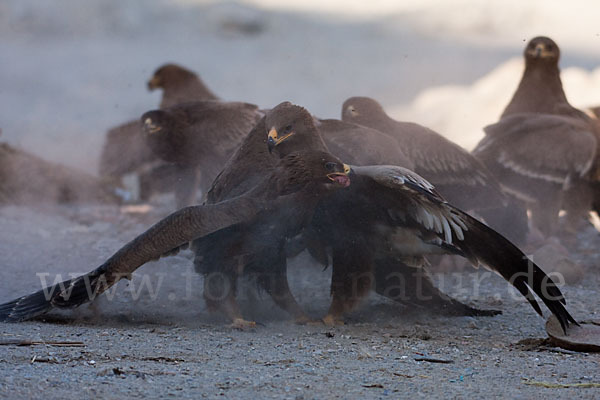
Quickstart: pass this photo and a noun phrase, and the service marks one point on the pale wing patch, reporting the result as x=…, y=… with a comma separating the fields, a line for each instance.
x=507, y=162
x=434, y=216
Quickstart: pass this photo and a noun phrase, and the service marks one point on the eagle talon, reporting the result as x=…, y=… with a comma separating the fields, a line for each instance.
x=242, y=324
x=330, y=320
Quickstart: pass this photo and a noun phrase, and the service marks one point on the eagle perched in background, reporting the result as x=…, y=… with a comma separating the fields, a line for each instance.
x=543, y=150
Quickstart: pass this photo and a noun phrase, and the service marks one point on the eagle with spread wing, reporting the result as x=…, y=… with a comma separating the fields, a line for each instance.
x=391, y=217
x=278, y=205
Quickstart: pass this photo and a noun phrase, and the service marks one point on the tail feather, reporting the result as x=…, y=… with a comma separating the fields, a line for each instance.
x=25, y=307
x=494, y=250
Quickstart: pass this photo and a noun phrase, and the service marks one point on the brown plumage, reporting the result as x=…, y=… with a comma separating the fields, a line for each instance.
x=125, y=150
x=179, y=85
x=540, y=89
x=361, y=145
x=358, y=145
x=278, y=207
x=28, y=179
x=459, y=176
x=390, y=218
x=241, y=173
x=543, y=150
x=255, y=149
x=397, y=215
x=345, y=138
x=198, y=137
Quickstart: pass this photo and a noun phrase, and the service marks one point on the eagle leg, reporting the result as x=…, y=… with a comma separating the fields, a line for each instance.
x=577, y=202
x=351, y=281
x=220, y=289
x=275, y=283
x=545, y=218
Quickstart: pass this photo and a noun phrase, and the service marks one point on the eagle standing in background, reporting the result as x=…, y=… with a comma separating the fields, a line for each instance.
x=197, y=138
x=543, y=150
x=461, y=178
x=362, y=145
x=125, y=150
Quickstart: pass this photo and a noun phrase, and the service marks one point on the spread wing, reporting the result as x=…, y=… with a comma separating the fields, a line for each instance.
x=163, y=238
x=460, y=177
x=361, y=145
x=410, y=201
x=543, y=147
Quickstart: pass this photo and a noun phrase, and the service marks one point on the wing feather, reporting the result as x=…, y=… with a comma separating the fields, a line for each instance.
x=361, y=145
x=161, y=239
x=406, y=193
x=540, y=146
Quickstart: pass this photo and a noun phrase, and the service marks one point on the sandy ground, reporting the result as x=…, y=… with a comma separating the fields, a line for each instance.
x=154, y=337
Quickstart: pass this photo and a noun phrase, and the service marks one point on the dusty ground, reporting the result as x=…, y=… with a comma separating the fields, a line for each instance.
x=159, y=340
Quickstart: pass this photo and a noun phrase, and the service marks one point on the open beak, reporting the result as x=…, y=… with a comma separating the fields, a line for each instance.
x=153, y=83
x=273, y=139
x=150, y=127
x=341, y=178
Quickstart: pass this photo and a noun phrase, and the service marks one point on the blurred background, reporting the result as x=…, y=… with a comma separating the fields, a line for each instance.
x=71, y=69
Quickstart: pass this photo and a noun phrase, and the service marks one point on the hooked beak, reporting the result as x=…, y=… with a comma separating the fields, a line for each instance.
x=150, y=127
x=273, y=139
x=540, y=52
x=340, y=178
x=153, y=83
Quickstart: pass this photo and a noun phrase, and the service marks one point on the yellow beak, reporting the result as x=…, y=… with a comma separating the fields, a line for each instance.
x=153, y=83
x=150, y=127
x=273, y=138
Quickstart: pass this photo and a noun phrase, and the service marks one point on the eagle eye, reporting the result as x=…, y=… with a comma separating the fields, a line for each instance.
x=330, y=166
x=287, y=129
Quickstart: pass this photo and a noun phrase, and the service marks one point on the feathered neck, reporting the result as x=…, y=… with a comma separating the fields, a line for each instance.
x=540, y=91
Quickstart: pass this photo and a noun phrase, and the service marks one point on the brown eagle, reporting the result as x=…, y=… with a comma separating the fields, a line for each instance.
x=543, y=150
x=125, y=151
x=461, y=178
x=278, y=206
x=197, y=138
x=388, y=220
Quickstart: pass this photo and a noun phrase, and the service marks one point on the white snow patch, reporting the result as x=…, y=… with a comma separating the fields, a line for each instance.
x=459, y=112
